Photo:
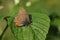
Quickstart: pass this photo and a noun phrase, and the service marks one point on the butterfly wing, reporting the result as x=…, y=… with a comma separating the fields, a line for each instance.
x=22, y=18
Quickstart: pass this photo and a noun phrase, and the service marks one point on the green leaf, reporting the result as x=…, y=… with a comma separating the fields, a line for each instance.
x=1, y=18
x=37, y=30
x=56, y=22
x=13, y=11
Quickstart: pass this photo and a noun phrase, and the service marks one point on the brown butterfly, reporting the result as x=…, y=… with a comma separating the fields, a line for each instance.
x=22, y=17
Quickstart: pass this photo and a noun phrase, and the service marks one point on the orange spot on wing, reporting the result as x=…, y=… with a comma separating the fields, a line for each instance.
x=17, y=23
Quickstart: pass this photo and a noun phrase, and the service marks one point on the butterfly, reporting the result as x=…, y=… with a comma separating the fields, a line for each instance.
x=22, y=18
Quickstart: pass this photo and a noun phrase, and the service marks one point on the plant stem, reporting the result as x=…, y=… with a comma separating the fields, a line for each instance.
x=3, y=32
x=4, y=29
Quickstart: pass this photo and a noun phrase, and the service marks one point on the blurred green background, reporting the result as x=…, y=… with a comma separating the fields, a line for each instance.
x=46, y=6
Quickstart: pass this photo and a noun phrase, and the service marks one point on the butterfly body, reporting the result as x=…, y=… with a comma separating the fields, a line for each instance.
x=22, y=18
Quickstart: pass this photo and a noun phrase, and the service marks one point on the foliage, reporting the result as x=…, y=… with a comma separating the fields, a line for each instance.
x=45, y=20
